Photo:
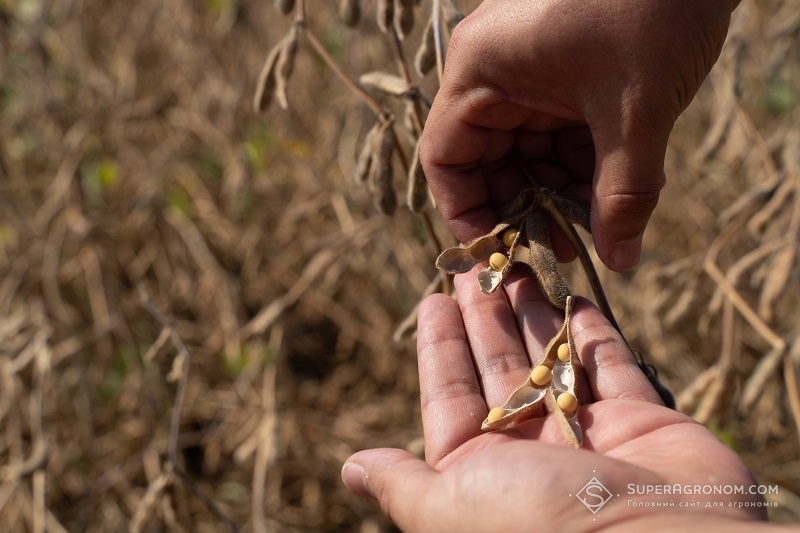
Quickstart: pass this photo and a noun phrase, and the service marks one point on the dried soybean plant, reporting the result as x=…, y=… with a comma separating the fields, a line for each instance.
x=523, y=236
x=740, y=290
x=382, y=143
x=390, y=139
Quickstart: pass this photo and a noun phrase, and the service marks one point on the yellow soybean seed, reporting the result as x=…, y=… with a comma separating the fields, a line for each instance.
x=496, y=414
x=498, y=261
x=541, y=375
x=567, y=402
x=509, y=236
x=563, y=353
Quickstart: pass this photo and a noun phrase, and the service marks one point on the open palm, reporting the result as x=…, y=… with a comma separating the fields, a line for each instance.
x=472, y=354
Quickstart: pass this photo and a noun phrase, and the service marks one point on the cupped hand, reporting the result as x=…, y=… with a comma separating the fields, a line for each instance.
x=583, y=94
x=472, y=354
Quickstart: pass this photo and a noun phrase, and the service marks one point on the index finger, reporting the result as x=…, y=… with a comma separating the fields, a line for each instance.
x=611, y=369
x=466, y=167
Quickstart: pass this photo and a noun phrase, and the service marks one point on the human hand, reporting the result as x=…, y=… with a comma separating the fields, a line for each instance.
x=472, y=354
x=584, y=94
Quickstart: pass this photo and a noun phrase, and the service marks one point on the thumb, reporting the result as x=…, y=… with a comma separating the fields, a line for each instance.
x=628, y=178
x=397, y=479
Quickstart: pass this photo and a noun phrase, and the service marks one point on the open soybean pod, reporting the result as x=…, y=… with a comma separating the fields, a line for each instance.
x=460, y=259
x=500, y=263
x=564, y=379
x=562, y=401
x=552, y=379
x=350, y=12
x=523, y=404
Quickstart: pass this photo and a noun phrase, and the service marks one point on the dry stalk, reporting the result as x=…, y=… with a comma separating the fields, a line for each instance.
x=267, y=433
x=323, y=260
x=709, y=265
x=711, y=401
x=790, y=376
x=172, y=469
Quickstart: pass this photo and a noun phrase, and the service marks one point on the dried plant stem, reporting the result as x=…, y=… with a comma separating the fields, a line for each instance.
x=267, y=432
x=334, y=66
x=437, y=38
x=792, y=388
x=183, y=357
x=174, y=429
x=402, y=66
x=711, y=399
x=709, y=265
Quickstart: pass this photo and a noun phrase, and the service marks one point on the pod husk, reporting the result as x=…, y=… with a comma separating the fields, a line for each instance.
x=524, y=402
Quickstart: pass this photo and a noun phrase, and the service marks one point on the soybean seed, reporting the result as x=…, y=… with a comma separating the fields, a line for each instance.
x=509, y=236
x=496, y=414
x=563, y=353
x=567, y=402
x=498, y=261
x=541, y=375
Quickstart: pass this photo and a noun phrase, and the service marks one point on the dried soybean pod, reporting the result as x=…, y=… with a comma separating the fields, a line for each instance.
x=350, y=12
x=390, y=84
x=410, y=122
x=385, y=197
x=425, y=59
x=366, y=154
x=266, y=80
x=417, y=184
x=523, y=403
x=385, y=15
x=403, y=17
x=543, y=261
x=460, y=259
x=285, y=66
x=284, y=6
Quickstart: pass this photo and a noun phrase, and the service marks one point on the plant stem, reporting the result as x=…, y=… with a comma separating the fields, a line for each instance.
x=334, y=66
x=437, y=39
x=402, y=66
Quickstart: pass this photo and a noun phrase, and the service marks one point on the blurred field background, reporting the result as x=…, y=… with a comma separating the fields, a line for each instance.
x=185, y=282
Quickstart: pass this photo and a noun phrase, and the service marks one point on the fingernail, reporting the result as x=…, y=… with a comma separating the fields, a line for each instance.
x=355, y=478
x=625, y=254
